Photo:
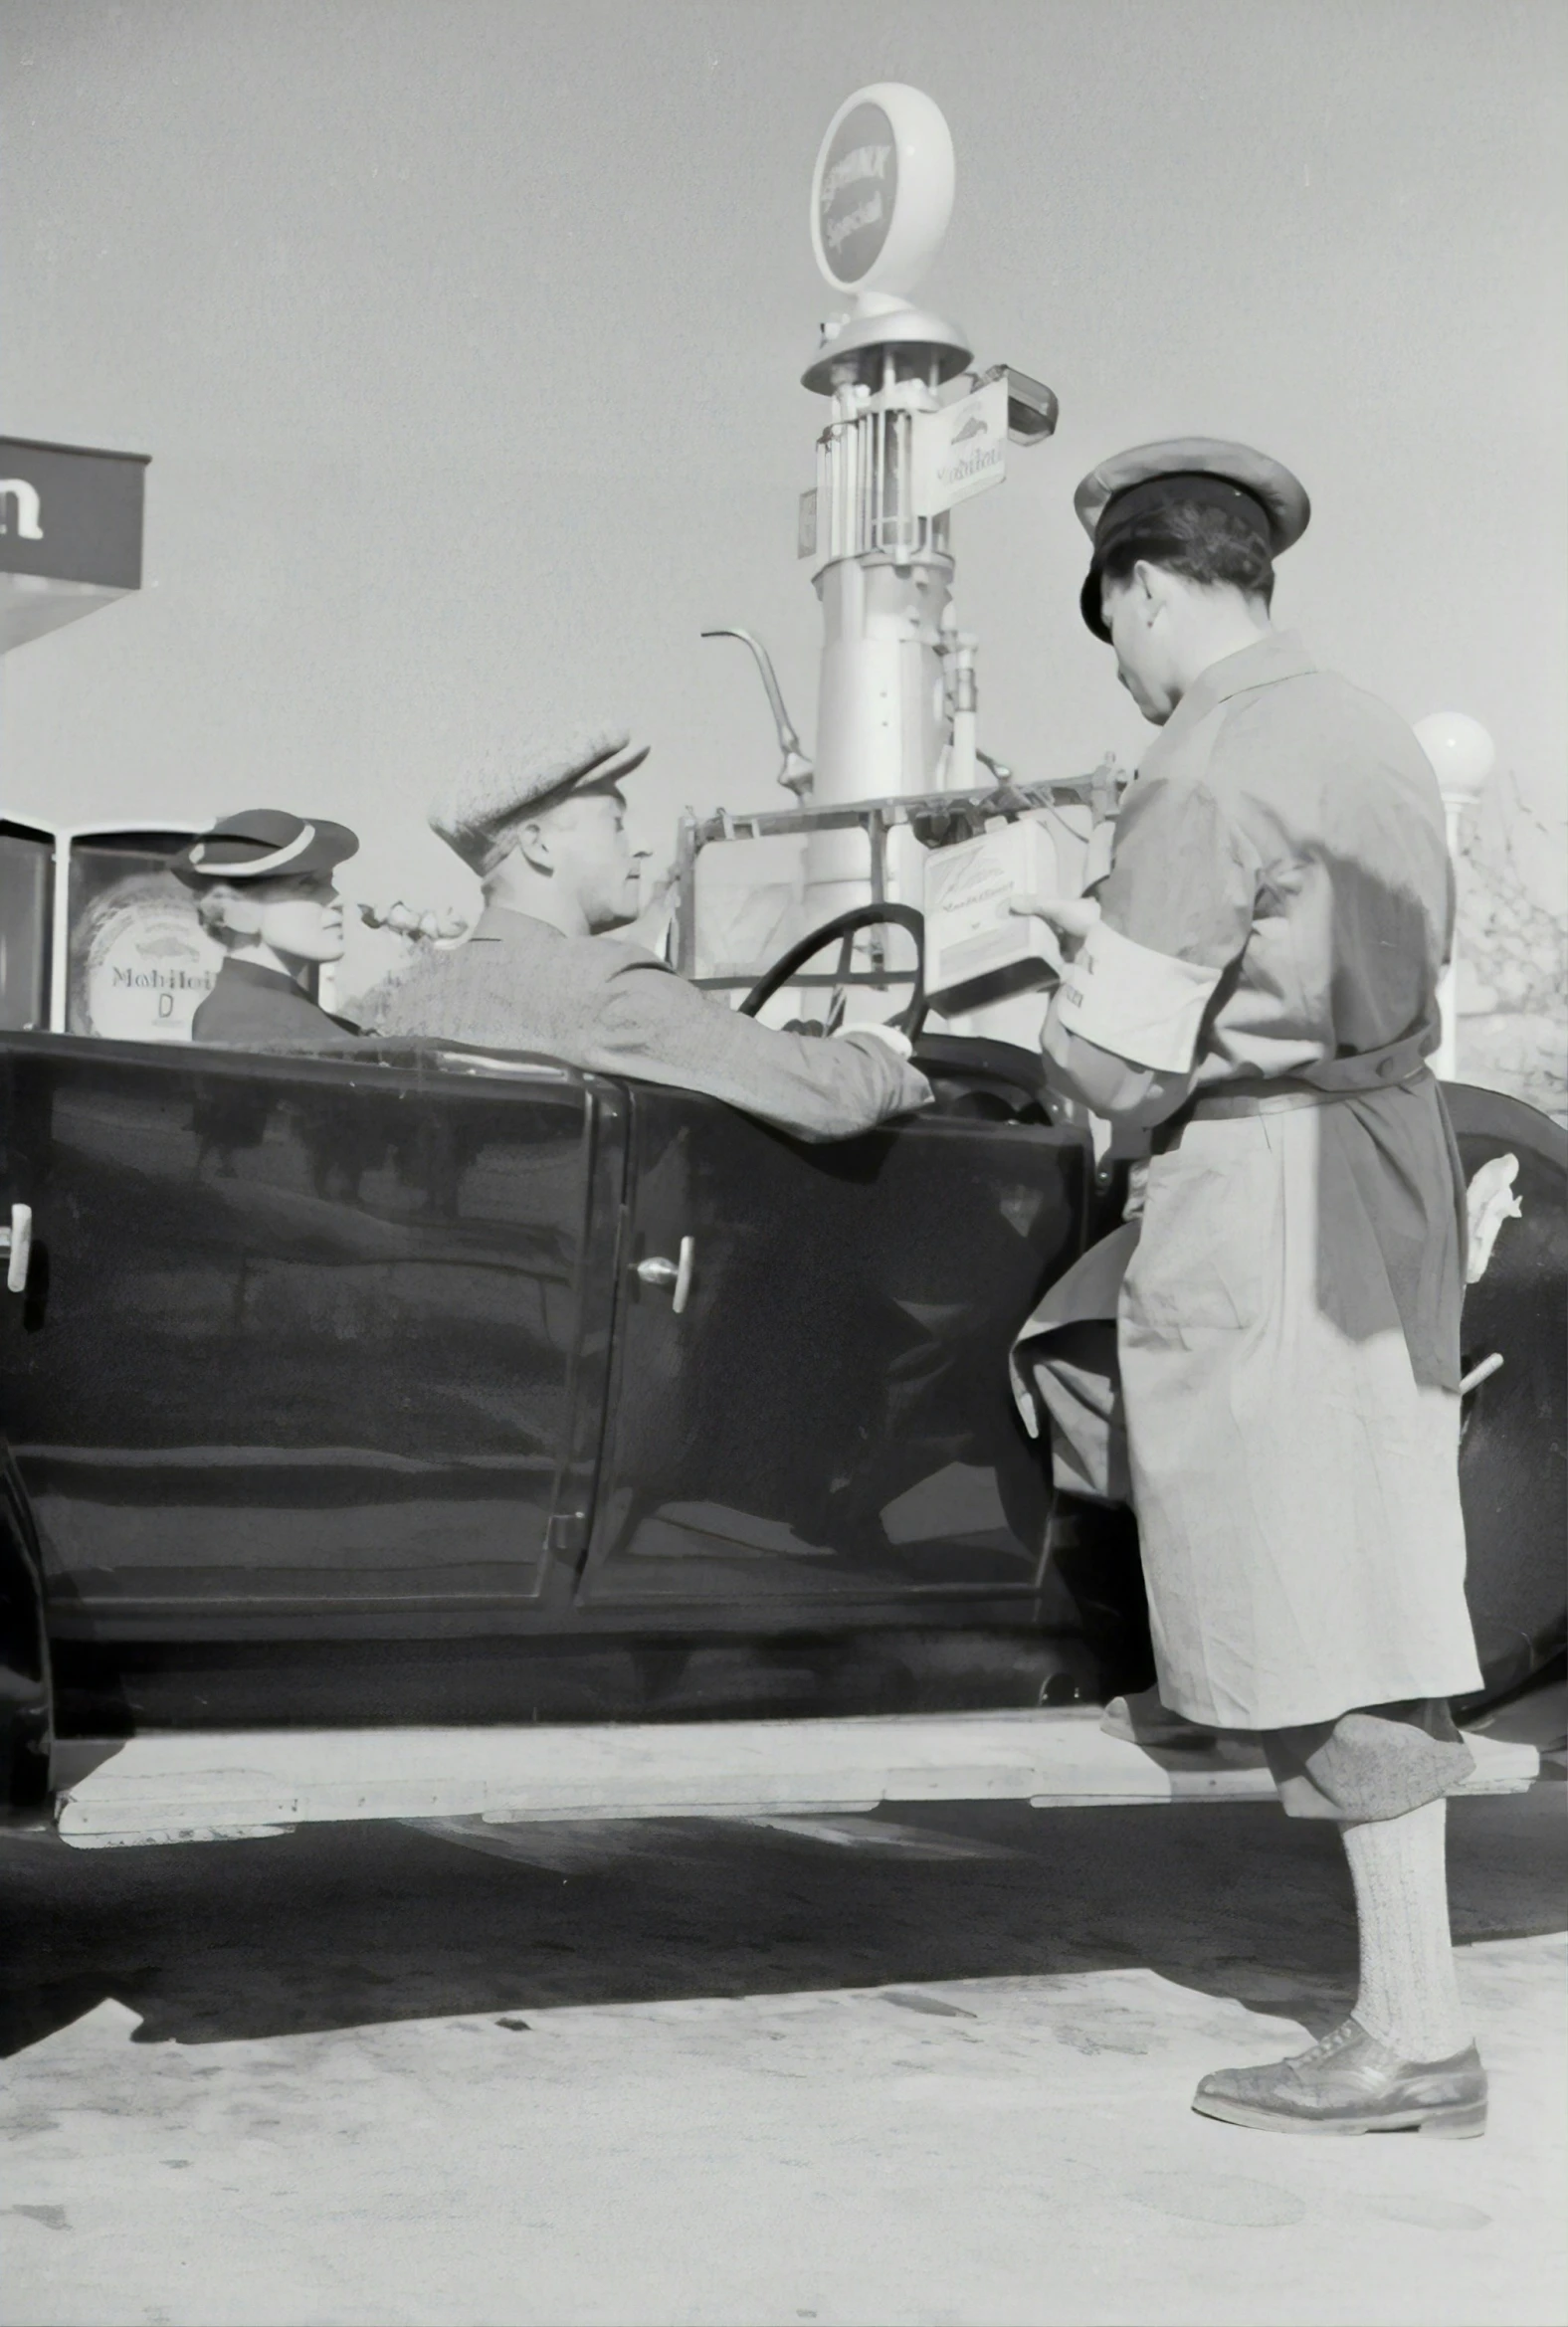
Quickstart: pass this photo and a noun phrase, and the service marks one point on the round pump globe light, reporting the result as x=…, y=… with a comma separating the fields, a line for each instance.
x=1460, y=751
x=881, y=193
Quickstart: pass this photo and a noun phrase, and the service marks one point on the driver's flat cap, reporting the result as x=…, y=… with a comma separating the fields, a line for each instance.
x=1127, y=495
x=264, y=843
x=480, y=820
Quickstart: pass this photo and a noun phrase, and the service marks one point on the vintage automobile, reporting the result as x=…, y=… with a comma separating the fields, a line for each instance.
x=403, y=1388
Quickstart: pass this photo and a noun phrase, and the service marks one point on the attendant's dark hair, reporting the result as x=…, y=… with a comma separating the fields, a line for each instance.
x=1200, y=542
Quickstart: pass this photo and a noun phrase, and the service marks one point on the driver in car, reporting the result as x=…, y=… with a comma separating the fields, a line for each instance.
x=544, y=830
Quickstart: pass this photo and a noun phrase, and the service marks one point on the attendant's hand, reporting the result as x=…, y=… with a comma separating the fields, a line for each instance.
x=1072, y=917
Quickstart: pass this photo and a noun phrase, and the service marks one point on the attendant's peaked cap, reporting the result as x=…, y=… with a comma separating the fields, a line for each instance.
x=1124, y=501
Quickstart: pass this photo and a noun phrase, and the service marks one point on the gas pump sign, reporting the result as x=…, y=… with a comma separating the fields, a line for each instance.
x=881, y=193
x=959, y=451
x=139, y=960
x=859, y=192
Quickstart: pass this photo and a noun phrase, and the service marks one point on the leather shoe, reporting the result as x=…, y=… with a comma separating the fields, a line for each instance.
x=1142, y=1719
x=1351, y=2083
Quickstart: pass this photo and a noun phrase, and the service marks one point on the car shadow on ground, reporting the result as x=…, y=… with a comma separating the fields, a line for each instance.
x=344, y=1926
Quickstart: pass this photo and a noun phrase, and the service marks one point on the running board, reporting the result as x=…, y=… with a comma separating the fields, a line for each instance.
x=205, y=1786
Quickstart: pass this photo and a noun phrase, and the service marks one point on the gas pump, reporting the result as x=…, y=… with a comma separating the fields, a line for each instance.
x=898, y=697
x=913, y=430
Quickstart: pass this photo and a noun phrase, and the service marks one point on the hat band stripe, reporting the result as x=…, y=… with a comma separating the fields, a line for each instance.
x=1144, y=504
x=259, y=866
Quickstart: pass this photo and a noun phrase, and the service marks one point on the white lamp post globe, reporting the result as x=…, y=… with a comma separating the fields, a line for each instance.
x=1460, y=751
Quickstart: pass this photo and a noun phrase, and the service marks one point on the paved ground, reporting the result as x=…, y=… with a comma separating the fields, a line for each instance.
x=367, y=2075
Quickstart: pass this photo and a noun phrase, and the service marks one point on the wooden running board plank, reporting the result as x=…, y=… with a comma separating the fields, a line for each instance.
x=207, y=1785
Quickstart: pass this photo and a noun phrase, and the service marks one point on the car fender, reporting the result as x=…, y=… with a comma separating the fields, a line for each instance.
x=1513, y=1456
x=26, y=1693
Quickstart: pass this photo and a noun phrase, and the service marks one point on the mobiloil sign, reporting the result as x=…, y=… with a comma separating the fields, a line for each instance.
x=136, y=960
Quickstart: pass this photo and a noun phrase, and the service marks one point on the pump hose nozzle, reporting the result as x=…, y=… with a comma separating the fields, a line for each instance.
x=796, y=772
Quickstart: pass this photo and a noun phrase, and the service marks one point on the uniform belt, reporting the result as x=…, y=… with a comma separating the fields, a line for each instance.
x=1224, y=1105
x=1275, y=1098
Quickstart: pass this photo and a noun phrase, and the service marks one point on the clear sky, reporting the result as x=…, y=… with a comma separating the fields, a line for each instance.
x=465, y=336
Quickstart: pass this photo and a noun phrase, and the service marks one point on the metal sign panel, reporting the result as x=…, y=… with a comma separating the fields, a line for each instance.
x=70, y=516
x=959, y=451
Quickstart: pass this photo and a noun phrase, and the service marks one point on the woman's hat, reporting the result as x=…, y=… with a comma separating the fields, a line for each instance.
x=263, y=843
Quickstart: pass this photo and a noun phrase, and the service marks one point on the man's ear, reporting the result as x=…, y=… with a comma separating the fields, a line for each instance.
x=533, y=847
x=1150, y=586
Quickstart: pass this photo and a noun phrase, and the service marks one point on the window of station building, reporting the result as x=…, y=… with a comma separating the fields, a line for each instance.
x=27, y=862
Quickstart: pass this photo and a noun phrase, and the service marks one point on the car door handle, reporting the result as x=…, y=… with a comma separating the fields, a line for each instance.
x=17, y=1241
x=675, y=1273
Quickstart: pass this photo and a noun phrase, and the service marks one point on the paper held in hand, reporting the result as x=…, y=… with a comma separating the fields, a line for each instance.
x=977, y=950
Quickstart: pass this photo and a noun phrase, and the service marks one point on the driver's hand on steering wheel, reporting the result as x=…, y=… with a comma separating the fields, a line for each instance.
x=896, y=1042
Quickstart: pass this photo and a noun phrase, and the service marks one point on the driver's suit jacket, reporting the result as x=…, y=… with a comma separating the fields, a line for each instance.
x=613, y=1008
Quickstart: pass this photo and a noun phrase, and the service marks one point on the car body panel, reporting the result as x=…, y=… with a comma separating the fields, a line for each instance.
x=829, y=1417
x=304, y=1340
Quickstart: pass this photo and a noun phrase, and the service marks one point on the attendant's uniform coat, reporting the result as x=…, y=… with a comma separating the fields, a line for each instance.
x=613, y=1008
x=1274, y=928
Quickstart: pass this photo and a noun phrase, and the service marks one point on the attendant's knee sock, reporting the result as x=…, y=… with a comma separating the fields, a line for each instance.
x=1409, y=1998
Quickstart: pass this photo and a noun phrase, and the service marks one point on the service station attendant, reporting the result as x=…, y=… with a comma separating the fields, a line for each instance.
x=1260, y=986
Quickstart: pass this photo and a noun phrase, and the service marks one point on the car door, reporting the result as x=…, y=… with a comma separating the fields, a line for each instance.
x=827, y=1419
x=304, y=1339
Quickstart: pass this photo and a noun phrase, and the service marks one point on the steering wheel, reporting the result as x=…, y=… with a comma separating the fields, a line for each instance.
x=844, y=927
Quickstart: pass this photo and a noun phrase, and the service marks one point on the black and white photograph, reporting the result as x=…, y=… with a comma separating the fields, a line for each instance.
x=783, y=1163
